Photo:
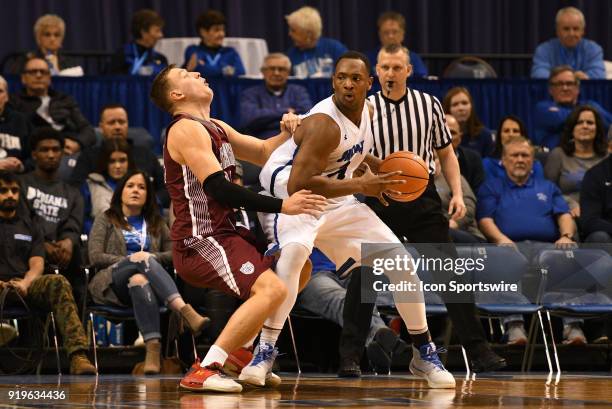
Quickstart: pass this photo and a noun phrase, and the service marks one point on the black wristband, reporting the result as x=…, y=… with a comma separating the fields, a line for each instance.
x=235, y=196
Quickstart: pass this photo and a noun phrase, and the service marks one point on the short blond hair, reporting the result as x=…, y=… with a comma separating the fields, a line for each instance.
x=49, y=20
x=308, y=19
x=570, y=10
x=3, y=83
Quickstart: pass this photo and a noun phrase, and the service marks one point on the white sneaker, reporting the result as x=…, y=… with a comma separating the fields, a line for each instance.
x=273, y=380
x=573, y=335
x=426, y=364
x=259, y=370
x=209, y=378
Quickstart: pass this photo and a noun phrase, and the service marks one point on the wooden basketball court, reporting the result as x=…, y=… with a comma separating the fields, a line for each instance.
x=314, y=391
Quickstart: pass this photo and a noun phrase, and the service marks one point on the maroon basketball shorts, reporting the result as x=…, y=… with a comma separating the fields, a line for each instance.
x=227, y=262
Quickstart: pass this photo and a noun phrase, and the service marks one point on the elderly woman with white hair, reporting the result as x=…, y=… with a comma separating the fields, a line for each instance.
x=311, y=54
x=49, y=31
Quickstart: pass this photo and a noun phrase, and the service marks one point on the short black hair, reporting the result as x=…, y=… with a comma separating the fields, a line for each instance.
x=208, y=19
x=8, y=177
x=143, y=19
x=354, y=55
x=40, y=134
x=112, y=105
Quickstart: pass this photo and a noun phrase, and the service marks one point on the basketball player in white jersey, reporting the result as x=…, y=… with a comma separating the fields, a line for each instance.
x=332, y=142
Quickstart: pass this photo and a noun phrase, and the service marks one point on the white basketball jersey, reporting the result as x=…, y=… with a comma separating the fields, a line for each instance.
x=355, y=143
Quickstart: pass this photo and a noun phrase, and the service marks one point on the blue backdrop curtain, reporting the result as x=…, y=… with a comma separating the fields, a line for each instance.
x=492, y=98
x=433, y=26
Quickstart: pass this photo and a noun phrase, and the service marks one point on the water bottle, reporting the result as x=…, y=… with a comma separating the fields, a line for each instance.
x=100, y=328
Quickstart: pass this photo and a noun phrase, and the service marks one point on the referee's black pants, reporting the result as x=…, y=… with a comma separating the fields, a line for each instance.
x=419, y=221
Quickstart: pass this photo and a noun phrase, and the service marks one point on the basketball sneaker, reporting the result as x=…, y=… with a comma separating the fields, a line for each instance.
x=209, y=378
x=426, y=364
x=259, y=371
x=237, y=360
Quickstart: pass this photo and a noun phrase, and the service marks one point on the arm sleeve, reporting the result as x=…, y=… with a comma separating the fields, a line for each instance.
x=594, y=67
x=552, y=170
x=234, y=196
x=302, y=102
x=487, y=200
x=559, y=204
x=237, y=63
x=96, y=245
x=86, y=135
x=73, y=225
x=470, y=205
x=541, y=62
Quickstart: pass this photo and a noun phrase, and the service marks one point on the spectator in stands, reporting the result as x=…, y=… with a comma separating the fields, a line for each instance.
x=596, y=203
x=509, y=126
x=550, y=116
x=521, y=207
x=49, y=32
x=14, y=134
x=583, y=145
x=21, y=268
x=129, y=242
x=59, y=207
x=114, y=124
x=209, y=57
x=113, y=164
x=459, y=102
x=391, y=29
x=464, y=230
x=470, y=163
x=324, y=296
x=311, y=54
x=45, y=106
x=569, y=48
x=139, y=57
x=262, y=106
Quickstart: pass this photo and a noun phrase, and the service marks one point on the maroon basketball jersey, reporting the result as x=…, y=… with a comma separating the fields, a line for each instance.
x=198, y=214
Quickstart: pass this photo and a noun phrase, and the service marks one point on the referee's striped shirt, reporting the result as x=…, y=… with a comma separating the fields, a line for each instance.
x=415, y=123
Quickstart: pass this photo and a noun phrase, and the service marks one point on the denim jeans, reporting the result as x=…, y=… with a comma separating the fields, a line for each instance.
x=324, y=296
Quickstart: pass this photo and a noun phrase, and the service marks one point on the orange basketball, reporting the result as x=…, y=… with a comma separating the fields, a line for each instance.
x=414, y=172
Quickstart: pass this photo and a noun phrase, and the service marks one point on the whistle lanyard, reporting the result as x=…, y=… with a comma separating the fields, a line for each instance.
x=212, y=61
x=138, y=61
x=143, y=235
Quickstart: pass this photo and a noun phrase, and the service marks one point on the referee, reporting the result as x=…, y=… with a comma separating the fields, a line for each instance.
x=406, y=119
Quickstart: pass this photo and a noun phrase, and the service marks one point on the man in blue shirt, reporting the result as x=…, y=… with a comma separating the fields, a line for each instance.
x=550, y=115
x=311, y=55
x=391, y=30
x=262, y=106
x=521, y=207
x=569, y=48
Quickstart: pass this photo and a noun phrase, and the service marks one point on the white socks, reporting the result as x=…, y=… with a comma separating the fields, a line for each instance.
x=215, y=354
x=288, y=268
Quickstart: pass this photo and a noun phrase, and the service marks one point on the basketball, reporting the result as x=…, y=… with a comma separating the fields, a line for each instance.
x=414, y=172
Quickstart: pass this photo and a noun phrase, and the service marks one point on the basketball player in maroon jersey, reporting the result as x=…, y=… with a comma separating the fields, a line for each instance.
x=209, y=250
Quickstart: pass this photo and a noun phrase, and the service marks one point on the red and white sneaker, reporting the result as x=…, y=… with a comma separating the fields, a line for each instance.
x=210, y=378
x=237, y=360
